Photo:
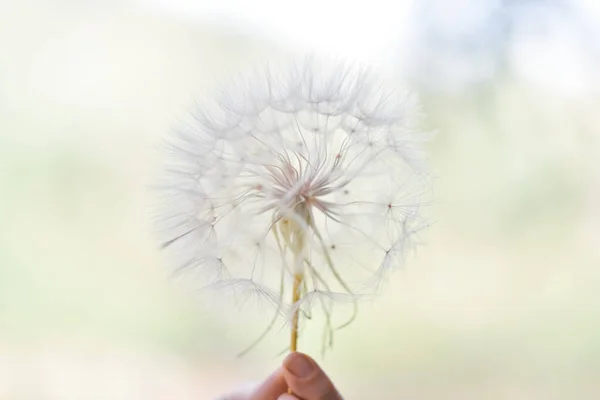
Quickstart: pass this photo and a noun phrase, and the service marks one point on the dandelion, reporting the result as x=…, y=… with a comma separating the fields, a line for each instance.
x=301, y=186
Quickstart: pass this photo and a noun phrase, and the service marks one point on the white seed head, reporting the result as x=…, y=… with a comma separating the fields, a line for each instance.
x=313, y=168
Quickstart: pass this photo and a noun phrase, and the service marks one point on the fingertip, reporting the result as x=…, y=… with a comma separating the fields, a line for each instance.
x=300, y=365
x=306, y=379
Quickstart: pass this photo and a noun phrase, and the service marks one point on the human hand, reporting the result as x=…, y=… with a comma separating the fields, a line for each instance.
x=302, y=375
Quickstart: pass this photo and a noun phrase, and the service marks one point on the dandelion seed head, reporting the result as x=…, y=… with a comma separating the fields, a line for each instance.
x=314, y=167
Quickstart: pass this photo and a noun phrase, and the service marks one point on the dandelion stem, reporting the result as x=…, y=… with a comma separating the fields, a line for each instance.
x=296, y=291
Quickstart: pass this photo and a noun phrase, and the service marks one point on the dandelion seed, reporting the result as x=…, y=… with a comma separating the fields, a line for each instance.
x=302, y=186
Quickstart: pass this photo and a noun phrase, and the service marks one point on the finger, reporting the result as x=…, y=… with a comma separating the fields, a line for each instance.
x=271, y=388
x=307, y=380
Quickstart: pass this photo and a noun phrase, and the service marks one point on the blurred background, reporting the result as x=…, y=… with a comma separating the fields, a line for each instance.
x=502, y=302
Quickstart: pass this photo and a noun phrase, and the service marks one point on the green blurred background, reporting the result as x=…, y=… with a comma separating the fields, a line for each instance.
x=503, y=301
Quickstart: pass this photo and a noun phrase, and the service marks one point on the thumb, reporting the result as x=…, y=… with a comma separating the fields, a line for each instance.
x=306, y=379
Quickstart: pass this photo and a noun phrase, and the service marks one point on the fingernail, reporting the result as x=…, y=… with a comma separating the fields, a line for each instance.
x=299, y=365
